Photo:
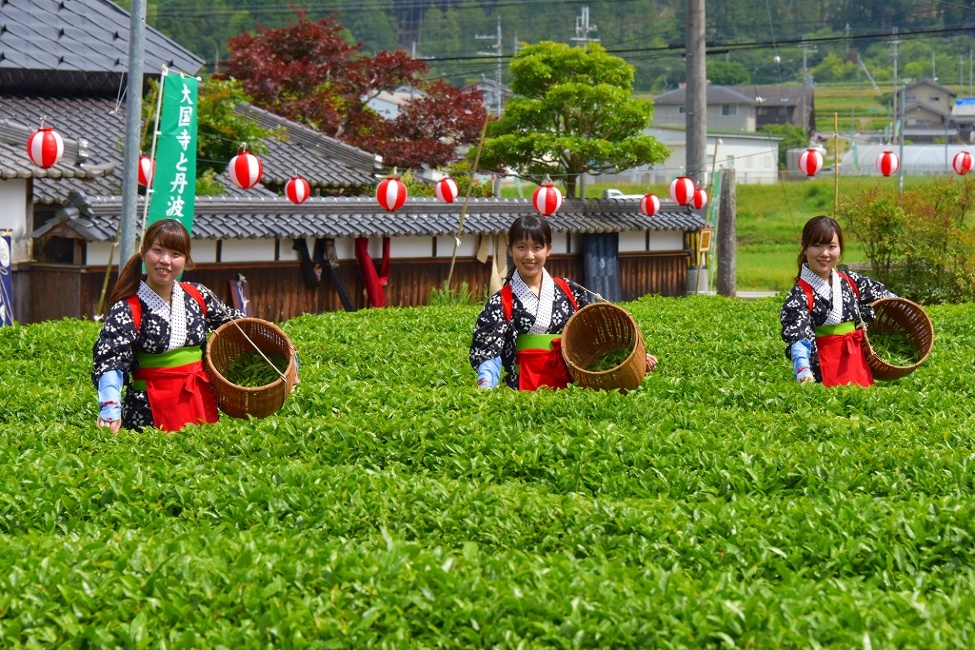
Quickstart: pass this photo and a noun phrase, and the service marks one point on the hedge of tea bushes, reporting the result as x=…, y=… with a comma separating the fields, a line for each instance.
x=390, y=503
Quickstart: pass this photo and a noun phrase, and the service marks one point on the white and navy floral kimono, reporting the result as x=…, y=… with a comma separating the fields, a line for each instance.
x=836, y=309
x=495, y=336
x=161, y=330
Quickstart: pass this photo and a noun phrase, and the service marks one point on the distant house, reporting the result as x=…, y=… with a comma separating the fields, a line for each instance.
x=307, y=258
x=742, y=108
x=389, y=105
x=794, y=105
x=727, y=109
x=928, y=112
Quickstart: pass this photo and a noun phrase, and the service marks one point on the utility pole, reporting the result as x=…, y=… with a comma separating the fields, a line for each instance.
x=584, y=28
x=133, y=130
x=893, y=97
x=696, y=74
x=497, y=52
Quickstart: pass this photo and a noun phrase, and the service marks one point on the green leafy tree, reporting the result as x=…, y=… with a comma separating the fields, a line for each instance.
x=307, y=72
x=572, y=113
x=920, y=242
x=728, y=73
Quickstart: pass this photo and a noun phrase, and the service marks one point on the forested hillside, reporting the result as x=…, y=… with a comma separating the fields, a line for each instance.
x=750, y=41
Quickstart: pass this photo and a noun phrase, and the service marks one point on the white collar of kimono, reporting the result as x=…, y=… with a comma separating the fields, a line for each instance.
x=831, y=291
x=175, y=316
x=541, y=305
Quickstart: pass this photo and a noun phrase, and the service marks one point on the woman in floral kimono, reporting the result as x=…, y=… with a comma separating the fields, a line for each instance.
x=520, y=327
x=153, y=339
x=820, y=315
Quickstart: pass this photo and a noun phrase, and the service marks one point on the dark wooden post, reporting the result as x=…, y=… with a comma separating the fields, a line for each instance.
x=727, y=239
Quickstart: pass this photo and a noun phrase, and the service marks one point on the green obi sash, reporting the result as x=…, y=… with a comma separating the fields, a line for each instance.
x=532, y=342
x=535, y=341
x=836, y=330
x=172, y=359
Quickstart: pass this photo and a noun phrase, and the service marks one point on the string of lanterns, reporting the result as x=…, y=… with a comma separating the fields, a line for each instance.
x=45, y=148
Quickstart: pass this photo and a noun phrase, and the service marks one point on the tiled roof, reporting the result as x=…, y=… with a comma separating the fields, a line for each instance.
x=14, y=162
x=46, y=40
x=96, y=218
x=715, y=95
x=99, y=123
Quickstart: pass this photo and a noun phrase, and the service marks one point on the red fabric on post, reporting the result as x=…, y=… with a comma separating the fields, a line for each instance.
x=374, y=286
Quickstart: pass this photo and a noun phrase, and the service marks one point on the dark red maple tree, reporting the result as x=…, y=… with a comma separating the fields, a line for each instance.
x=308, y=73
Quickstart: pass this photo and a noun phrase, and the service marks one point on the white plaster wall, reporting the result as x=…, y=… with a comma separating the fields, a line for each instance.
x=204, y=251
x=633, y=242
x=668, y=240
x=13, y=217
x=96, y=253
x=445, y=247
x=400, y=247
x=246, y=250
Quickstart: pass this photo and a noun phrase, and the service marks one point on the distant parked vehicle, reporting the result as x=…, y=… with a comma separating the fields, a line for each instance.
x=616, y=194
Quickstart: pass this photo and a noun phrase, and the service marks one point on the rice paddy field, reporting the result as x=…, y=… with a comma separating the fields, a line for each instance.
x=392, y=504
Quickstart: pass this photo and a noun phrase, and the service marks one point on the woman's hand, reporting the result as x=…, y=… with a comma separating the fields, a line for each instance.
x=651, y=362
x=114, y=425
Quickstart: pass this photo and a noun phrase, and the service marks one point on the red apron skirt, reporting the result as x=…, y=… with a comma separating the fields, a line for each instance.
x=178, y=394
x=842, y=360
x=539, y=362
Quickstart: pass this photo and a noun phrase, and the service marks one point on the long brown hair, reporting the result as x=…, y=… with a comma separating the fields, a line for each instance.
x=818, y=230
x=167, y=232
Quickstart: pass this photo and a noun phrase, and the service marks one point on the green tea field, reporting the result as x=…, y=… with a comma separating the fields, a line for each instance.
x=392, y=504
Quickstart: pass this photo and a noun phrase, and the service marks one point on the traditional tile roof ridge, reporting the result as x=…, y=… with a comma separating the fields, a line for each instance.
x=96, y=218
x=97, y=124
x=43, y=41
x=313, y=140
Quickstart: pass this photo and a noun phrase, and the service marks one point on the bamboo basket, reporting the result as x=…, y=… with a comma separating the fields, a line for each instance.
x=226, y=345
x=902, y=316
x=595, y=330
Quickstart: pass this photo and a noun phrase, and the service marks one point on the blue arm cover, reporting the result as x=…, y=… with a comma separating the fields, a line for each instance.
x=800, y=353
x=110, y=390
x=489, y=373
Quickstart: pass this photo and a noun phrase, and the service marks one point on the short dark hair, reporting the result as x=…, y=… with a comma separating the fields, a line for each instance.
x=530, y=227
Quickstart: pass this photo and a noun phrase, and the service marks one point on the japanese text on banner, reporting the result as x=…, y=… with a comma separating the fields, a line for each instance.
x=174, y=182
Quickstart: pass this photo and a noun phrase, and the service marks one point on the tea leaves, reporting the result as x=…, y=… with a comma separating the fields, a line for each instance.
x=390, y=503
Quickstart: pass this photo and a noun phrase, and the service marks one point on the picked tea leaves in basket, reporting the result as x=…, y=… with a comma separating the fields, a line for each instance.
x=899, y=340
x=603, y=348
x=243, y=381
x=252, y=370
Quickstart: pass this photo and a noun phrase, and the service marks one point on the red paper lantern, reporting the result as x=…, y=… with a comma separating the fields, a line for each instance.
x=45, y=147
x=962, y=163
x=649, y=205
x=147, y=168
x=887, y=163
x=297, y=189
x=391, y=194
x=446, y=190
x=811, y=161
x=547, y=199
x=700, y=199
x=245, y=170
x=682, y=190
